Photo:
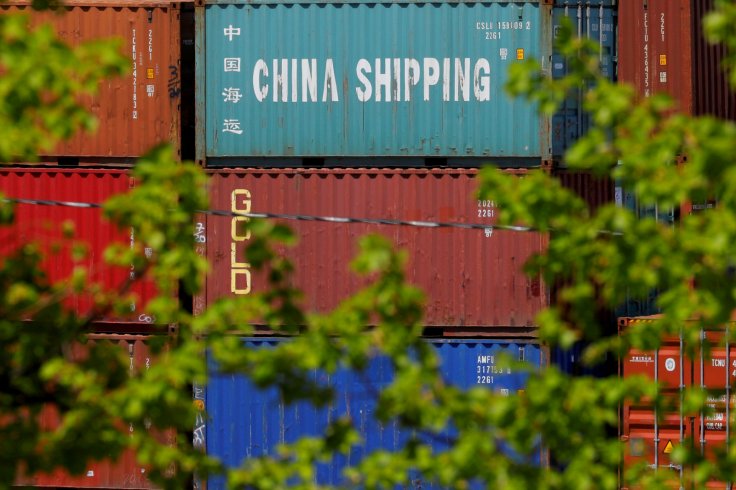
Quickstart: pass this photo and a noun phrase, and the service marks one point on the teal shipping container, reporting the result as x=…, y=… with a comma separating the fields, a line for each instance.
x=344, y=80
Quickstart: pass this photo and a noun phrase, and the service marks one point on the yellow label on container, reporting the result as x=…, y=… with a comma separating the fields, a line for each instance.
x=663, y=59
x=520, y=54
x=668, y=447
x=149, y=73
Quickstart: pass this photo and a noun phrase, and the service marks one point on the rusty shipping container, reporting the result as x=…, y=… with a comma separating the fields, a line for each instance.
x=45, y=226
x=125, y=472
x=472, y=277
x=662, y=49
x=139, y=110
x=650, y=436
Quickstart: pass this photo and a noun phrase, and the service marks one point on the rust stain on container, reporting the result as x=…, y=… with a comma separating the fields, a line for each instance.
x=662, y=50
x=125, y=473
x=45, y=225
x=139, y=110
x=651, y=436
x=472, y=278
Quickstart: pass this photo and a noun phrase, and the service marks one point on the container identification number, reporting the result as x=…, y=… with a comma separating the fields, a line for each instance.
x=486, y=369
x=493, y=30
x=486, y=208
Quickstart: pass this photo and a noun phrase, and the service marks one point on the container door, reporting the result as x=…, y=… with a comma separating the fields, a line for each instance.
x=716, y=371
x=596, y=23
x=650, y=441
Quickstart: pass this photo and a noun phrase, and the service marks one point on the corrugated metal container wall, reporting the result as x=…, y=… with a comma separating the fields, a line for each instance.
x=662, y=49
x=596, y=191
x=139, y=110
x=655, y=48
x=472, y=277
x=650, y=436
x=125, y=472
x=595, y=20
x=45, y=226
x=642, y=306
x=712, y=93
x=368, y=79
x=245, y=421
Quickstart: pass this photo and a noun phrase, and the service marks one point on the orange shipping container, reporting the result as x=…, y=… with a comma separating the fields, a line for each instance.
x=650, y=437
x=139, y=110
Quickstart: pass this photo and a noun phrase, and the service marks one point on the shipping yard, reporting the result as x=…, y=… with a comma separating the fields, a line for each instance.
x=345, y=119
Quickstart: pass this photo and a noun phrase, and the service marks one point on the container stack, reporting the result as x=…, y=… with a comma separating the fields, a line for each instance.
x=663, y=50
x=379, y=111
x=357, y=111
x=135, y=112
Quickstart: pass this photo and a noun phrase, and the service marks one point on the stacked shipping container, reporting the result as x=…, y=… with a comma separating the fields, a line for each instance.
x=313, y=85
x=430, y=85
x=663, y=50
x=135, y=112
x=47, y=226
x=331, y=93
x=427, y=91
x=650, y=436
x=125, y=472
x=471, y=276
x=595, y=20
x=246, y=420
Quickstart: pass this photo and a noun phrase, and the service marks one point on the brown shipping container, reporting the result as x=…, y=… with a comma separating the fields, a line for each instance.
x=595, y=191
x=139, y=110
x=125, y=472
x=472, y=277
x=651, y=440
x=45, y=225
x=662, y=49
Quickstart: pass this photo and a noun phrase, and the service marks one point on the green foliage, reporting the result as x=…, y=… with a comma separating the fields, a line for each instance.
x=50, y=362
x=599, y=258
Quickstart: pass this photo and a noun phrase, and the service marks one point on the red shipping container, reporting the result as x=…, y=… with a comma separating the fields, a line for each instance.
x=662, y=49
x=714, y=368
x=472, y=277
x=125, y=472
x=139, y=110
x=45, y=225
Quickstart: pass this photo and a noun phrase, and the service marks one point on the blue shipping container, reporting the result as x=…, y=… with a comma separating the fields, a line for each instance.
x=368, y=80
x=598, y=23
x=244, y=421
x=585, y=3
x=646, y=305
